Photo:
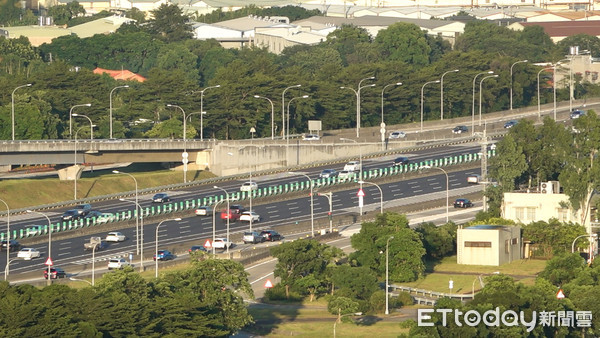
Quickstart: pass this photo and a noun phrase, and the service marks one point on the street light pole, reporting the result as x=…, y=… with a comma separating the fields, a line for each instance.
x=361, y=168
x=387, y=280
x=580, y=236
x=156, y=245
x=473, y=109
x=94, y=263
x=447, y=188
x=312, y=208
x=71, y=116
x=12, y=98
x=480, y=86
x=272, y=115
x=511, y=82
x=442, y=92
x=7, y=238
x=357, y=93
x=538, y=91
x=288, y=113
x=202, y=110
x=110, y=118
x=228, y=216
x=422, y=89
x=380, y=194
x=75, y=162
x=329, y=196
x=215, y=224
x=141, y=233
x=184, y=155
x=283, y=108
x=382, y=130
x=91, y=124
x=339, y=319
x=137, y=211
x=49, y=281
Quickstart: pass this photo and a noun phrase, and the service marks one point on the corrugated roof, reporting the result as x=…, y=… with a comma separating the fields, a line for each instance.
x=120, y=74
x=567, y=28
x=244, y=3
x=246, y=23
x=318, y=22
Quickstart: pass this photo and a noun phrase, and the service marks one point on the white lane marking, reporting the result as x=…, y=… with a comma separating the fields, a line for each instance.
x=260, y=264
x=412, y=183
x=261, y=278
x=417, y=190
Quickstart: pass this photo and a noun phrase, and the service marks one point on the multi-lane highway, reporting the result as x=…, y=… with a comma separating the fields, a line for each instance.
x=197, y=229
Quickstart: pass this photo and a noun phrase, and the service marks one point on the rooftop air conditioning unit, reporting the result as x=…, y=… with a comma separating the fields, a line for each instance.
x=547, y=188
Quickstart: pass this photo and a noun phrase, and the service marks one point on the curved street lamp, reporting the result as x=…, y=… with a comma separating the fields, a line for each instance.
x=71, y=116
x=288, y=113
x=141, y=237
x=422, y=89
x=387, y=280
x=442, y=92
x=447, y=188
x=480, y=84
x=12, y=98
x=184, y=155
x=228, y=216
x=202, y=112
x=49, y=281
x=7, y=238
x=110, y=118
x=91, y=124
x=538, y=91
x=473, y=109
x=357, y=93
x=156, y=245
x=272, y=114
x=137, y=211
x=511, y=81
x=283, y=108
x=312, y=204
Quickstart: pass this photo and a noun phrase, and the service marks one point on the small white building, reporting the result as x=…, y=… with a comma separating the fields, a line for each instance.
x=488, y=245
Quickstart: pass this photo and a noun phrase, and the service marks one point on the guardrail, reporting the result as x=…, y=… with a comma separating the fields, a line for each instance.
x=180, y=206
x=433, y=295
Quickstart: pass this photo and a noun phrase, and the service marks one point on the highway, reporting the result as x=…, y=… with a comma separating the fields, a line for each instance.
x=69, y=252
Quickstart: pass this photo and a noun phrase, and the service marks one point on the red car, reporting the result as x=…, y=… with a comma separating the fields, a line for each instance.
x=233, y=214
x=55, y=273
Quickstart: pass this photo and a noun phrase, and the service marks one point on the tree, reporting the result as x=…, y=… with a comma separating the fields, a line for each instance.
x=169, y=23
x=509, y=164
x=341, y=306
x=439, y=242
x=584, y=41
x=563, y=268
x=404, y=42
x=355, y=282
x=299, y=259
x=62, y=14
x=349, y=41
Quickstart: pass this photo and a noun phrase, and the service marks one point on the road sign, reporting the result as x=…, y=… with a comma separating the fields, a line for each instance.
x=49, y=262
x=268, y=284
x=360, y=193
x=207, y=244
x=360, y=202
x=560, y=294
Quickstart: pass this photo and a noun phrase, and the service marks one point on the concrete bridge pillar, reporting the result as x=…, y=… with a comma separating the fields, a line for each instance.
x=70, y=173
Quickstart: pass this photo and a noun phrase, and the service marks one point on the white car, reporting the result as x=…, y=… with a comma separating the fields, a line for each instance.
x=117, y=263
x=311, y=137
x=28, y=253
x=397, y=134
x=221, y=243
x=105, y=217
x=352, y=166
x=204, y=211
x=250, y=215
x=115, y=237
x=249, y=186
x=346, y=175
x=473, y=179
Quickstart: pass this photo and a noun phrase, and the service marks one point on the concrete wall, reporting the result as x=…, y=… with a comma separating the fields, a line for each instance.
x=534, y=206
x=504, y=245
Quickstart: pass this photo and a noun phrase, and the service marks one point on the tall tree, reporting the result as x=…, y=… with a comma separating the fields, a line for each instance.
x=404, y=42
x=509, y=164
x=170, y=24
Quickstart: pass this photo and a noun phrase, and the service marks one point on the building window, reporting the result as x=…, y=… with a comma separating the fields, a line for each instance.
x=563, y=214
x=506, y=247
x=478, y=244
x=530, y=213
x=520, y=213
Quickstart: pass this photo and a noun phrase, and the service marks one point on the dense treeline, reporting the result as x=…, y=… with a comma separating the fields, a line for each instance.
x=177, y=67
x=201, y=301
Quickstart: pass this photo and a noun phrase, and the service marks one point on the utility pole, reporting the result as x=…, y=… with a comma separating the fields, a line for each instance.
x=484, y=143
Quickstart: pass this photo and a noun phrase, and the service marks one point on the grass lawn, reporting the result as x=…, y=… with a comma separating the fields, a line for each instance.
x=29, y=192
x=465, y=277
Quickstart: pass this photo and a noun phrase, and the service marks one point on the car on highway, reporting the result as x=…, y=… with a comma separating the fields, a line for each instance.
x=34, y=230
x=222, y=243
x=204, y=210
x=328, y=173
x=197, y=248
x=473, y=178
x=161, y=197
x=105, y=217
x=460, y=129
x=462, y=203
x=55, y=273
x=346, y=175
x=14, y=245
x=311, y=137
x=115, y=236
x=117, y=263
x=252, y=237
x=270, y=235
x=29, y=253
x=248, y=216
x=83, y=209
x=163, y=255
x=400, y=161
x=575, y=114
x=397, y=134
x=352, y=166
x=233, y=214
x=510, y=124
x=71, y=215
x=249, y=186
x=94, y=214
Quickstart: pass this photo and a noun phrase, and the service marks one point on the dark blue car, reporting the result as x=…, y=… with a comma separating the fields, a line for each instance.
x=164, y=255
